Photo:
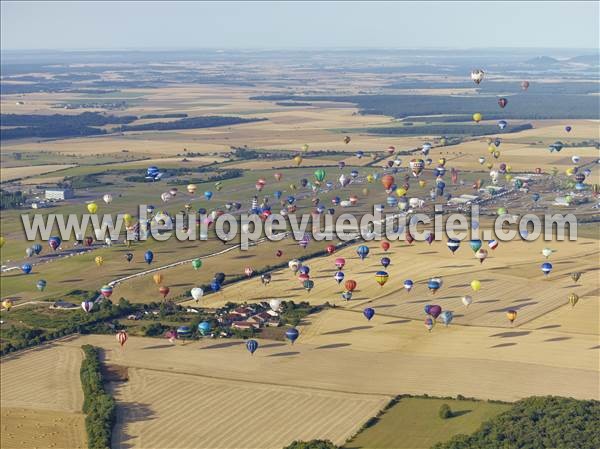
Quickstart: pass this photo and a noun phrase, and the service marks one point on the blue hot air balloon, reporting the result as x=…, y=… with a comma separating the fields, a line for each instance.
x=339, y=276
x=336, y=201
x=475, y=245
x=546, y=268
x=290, y=199
x=26, y=268
x=408, y=285
x=252, y=346
x=208, y=194
x=446, y=317
x=502, y=124
x=304, y=269
x=277, y=194
x=427, y=309
x=535, y=197
x=215, y=286
x=362, y=251
x=369, y=313
x=385, y=261
x=41, y=285
x=54, y=242
x=433, y=285
x=184, y=332
x=392, y=201
x=204, y=327
x=453, y=245
x=148, y=257
x=292, y=334
x=37, y=248
x=347, y=296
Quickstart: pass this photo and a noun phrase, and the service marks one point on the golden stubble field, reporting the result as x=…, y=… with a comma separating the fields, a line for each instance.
x=41, y=398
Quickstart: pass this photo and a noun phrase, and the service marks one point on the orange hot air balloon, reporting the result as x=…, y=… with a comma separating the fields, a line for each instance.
x=158, y=278
x=511, y=315
x=385, y=245
x=387, y=181
x=164, y=291
x=121, y=337
x=350, y=285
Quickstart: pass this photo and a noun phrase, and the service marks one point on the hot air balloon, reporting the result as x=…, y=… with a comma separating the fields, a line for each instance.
x=298, y=159
x=308, y=285
x=476, y=285
x=252, y=346
x=99, y=260
x=54, y=242
x=122, y=337
x=87, y=306
x=429, y=323
x=106, y=291
x=362, y=251
x=493, y=244
x=157, y=278
x=381, y=277
x=37, y=248
x=525, y=85
x=8, y=304
x=330, y=249
x=477, y=117
x=347, y=140
x=92, y=208
x=29, y=252
x=547, y=252
x=148, y=257
x=197, y=293
x=350, y=285
x=511, y=315
x=265, y=278
x=340, y=262
x=477, y=76
x=433, y=285
x=385, y=245
x=416, y=166
x=320, y=175
x=408, y=285
x=41, y=285
x=369, y=313
x=208, y=195
x=502, y=124
x=453, y=245
x=275, y=305
x=204, y=328
x=475, y=245
x=191, y=188
x=467, y=300
x=573, y=298
x=387, y=181
x=481, y=254
x=575, y=276
x=546, y=268
x=385, y=261
x=446, y=317
x=502, y=102
x=339, y=276
x=129, y=257
x=292, y=334
x=164, y=291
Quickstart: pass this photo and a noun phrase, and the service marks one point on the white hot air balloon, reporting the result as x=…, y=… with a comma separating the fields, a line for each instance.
x=477, y=76
x=166, y=196
x=467, y=300
x=575, y=159
x=275, y=304
x=547, y=252
x=197, y=293
x=107, y=198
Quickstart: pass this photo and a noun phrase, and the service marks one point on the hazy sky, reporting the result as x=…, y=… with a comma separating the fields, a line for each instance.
x=125, y=25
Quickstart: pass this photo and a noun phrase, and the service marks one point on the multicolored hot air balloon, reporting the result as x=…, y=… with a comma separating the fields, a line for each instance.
x=122, y=337
x=381, y=277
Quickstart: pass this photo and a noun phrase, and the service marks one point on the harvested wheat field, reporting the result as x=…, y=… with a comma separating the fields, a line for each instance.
x=41, y=398
x=170, y=410
x=24, y=428
x=8, y=174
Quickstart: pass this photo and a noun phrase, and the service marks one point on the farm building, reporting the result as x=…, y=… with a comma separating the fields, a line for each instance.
x=58, y=194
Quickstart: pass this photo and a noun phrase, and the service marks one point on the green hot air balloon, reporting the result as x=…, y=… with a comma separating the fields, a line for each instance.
x=320, y=175
x=196, y=263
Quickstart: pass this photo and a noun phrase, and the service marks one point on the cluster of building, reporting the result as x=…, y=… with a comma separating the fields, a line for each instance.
x=253, y=316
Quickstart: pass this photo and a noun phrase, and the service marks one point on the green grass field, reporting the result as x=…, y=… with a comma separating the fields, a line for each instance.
x=413, y=423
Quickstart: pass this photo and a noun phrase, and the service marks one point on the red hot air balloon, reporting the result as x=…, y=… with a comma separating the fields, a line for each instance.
x=121, y=337
x=279, y=253
x=330, y=249
x=409, y=238
x=525, y=85
x=164, y=291
x=387, y=181
x=340, y=262
x=350, y=285
x=385, y=245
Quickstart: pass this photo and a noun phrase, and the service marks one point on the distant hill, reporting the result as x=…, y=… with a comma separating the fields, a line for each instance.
x=542, y=61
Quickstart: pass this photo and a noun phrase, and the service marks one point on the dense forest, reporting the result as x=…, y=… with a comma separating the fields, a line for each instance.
x=522, y=105
x=449, y=129
x=189, y=123
x=537, y=423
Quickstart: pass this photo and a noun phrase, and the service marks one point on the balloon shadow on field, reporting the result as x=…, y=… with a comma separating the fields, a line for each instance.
x=223, y=345
x=503, y=345
x=456, y=266
x=595, y=347
x=511, y=334
x=272, y=345
x=488, y=301
x=159, y=346
x=284, y=354
x=549, y=326
x=520, y=306
x=557, y=339
x=457, y=413
x=347, y=330
x=399, y=321
x=333, y=346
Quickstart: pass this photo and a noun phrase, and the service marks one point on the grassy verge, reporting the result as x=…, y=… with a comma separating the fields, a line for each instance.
x=98, y=406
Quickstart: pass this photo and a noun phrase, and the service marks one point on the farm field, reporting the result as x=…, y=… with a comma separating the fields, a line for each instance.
x=413, y=423
x=41, y=399
x=8, y=174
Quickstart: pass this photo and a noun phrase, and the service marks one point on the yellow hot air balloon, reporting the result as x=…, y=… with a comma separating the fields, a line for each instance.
x=508, y=177
x=158, y=278
x=99, y=260
x=496, y=154
x=491, y=149
x=422, y=183
x=293, y=187
x=508, y=168
x=569, y=171
x=573, y=298
x=489, y=140
x=511, y=315
x=476, y=285
x=298, y=160
x=7, y=304
x=127, y=218
x=305, y=147
x=381, y=277
x=370, y=178
x=2, y=241
x=365, y=191
x=477, y=117
x=401, y=191
x=489, y=165
x=191, y=188
x=92, y=208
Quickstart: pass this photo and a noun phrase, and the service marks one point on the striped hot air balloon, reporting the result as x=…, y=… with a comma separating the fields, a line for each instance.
x=381, y=277
x=122, y=337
